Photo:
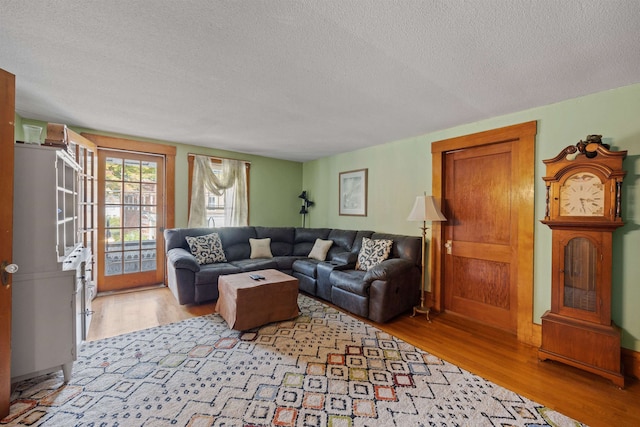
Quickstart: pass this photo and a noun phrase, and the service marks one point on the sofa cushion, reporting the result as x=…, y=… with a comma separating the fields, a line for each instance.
x=306, y=237
x=209, y=273
x=342, y=239
x=373, y=252
x=207, y=249
x=260, y=248
x=351, y=281
x=320, y=249
x=306, y=266
x=235, y=241
x=176, y=237
x=282, y=239
x=357, y=242
x=255, y=264
x=285, y=263
x=405, y=247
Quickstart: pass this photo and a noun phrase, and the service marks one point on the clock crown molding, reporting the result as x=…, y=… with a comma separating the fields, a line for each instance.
x=597, y=157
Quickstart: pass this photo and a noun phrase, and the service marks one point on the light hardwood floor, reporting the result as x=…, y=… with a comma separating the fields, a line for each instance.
x=489, y=353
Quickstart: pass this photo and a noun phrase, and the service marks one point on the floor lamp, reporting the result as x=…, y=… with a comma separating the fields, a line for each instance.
x=306, y=204
x=424, y=209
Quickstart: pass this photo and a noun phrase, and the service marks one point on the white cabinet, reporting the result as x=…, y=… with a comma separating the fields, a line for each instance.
x=47, y=287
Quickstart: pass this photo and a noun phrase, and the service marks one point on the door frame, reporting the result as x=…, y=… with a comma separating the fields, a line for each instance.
x=7, y=140
x=130, y=280
x=169, y=154
x=524, y=162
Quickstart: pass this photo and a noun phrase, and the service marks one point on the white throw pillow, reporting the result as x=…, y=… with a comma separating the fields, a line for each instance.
x=260, y=248
x=372, y=253
x=207, y=249
x=320, y=249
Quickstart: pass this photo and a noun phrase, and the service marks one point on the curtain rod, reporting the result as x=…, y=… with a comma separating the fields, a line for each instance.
x=217, y=157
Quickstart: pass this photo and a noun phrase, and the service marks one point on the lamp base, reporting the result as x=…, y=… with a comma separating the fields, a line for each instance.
x=422, y=310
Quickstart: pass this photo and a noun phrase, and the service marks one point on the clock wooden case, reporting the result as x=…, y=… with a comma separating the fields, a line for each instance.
x=583, y=208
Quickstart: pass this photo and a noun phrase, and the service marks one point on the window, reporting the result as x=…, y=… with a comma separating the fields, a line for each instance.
x=218, y=192
x=215, y=204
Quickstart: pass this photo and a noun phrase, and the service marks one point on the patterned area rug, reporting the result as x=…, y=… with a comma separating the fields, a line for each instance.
x=324, y=368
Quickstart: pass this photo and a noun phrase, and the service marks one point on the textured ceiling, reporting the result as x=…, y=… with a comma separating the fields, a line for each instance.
x=301, y=80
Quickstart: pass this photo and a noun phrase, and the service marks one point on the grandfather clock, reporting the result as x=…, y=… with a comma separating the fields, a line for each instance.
x=583, y=209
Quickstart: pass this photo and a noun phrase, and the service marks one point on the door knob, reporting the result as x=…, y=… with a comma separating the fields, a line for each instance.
x=7, y=269
x=448, y=246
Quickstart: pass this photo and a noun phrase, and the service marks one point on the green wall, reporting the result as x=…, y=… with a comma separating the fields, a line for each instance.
x=401, y=170
x=274, y=184
x=273, y=192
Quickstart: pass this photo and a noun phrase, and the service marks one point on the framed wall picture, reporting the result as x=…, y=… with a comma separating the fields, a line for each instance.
x=353, y=193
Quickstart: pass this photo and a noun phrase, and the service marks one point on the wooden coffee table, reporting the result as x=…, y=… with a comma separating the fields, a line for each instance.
x=246, y=303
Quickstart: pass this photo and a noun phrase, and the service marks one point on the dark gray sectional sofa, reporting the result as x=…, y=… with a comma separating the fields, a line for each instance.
x=381, y=293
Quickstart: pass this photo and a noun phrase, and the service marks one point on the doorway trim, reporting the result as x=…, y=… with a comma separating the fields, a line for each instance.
x=524, y=161
x=169, y=153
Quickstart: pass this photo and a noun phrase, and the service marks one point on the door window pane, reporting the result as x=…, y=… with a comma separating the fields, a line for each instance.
x=131, y=193
x=131, y=261
x=149, y=260
x=132, y=170
x=113, y=192
x=113, y=169
x=132, y=216
x=149, y=172
x=149, y=194
x=113, y=263
x=131, y=238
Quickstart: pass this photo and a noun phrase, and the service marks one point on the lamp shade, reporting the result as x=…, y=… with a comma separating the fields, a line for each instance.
x=425, y=209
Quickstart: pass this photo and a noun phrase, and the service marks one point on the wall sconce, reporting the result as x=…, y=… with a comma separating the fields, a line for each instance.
x=304, y=210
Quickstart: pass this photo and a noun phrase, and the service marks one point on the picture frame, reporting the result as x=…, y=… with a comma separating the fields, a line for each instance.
x=353, y=193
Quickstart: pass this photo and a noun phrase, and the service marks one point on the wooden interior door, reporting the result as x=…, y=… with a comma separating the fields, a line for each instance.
x=481, y=235
x=485, y=182
x=7, y=118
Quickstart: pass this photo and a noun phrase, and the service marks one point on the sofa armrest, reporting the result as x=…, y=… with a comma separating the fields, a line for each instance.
x=181, y=258
x=388, y=269
x=348, y=258
x=395, y=288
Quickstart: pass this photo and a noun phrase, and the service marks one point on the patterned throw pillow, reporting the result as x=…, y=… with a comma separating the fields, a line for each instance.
x=372, y=253
x=207, y=249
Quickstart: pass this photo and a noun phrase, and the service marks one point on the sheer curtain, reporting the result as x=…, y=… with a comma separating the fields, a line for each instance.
x=231, y=184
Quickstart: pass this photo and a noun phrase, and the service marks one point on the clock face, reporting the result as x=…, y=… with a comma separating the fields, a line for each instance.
x=582, y=195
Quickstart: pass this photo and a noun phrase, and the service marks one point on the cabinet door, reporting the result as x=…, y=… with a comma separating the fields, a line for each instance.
x=43, y=323
x=85, y=153
x=66, y=204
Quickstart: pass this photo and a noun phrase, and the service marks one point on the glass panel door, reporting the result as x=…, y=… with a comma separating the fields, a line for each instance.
x=580, y=274
x=131, y=220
